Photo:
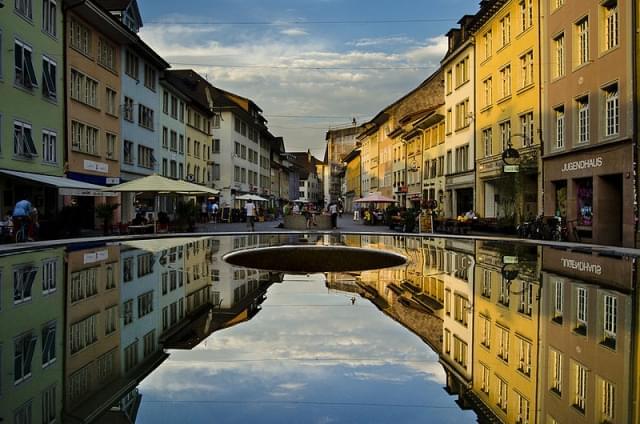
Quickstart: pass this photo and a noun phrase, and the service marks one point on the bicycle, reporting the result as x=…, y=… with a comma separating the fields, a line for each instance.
x=21, y=233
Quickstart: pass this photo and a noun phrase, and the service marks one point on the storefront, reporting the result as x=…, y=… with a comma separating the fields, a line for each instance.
x=459, y=189
x=593, y=190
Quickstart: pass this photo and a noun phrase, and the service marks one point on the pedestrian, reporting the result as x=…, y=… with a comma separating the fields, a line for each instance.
x=215, y=209
x=306, y=212
x=356, y=213
x=203, y=212
x=333, y=210
x=296, y=209
x=22, y=218
x=250, y=209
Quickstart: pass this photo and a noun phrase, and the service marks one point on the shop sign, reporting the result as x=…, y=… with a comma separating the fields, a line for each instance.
x=509, y=260
x=112, y=180
x=511, y=168
x=90, y=165
x=579, y=165
x=90, y=258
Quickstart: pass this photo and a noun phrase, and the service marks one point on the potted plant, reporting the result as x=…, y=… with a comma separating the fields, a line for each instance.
x=104, y=211
x=186, y=215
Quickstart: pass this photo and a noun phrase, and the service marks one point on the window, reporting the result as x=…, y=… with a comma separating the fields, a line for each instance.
x=558, y=56
x=243, y=151
x=111, y=145
x=145, y=304
x=526, y=129
x=526, y=14
x=24, y=348
x=557, y=301
x=48, y=344
x=505, y=30
x=447, y=341
x=84, y=138
x=449, y=120
x=48, y=78
x=524, y=356
x=462, y=114
x=128, y=109
x=127, y=308
x=149, y=77
x=505, y=81
x=526, y=69
x=461, y=308
x=84, y=284
x=487, y=141
x=181, y=144
x=582, y=39
x=174, y=107
x=84, y=88
x=182, y=111
x=128, y=155
x=111, y=100
x=145, y=264
x=24, y=8
x=145, y=157
x=49, y=276
x=131, y=65
x=559, y=126
x=106, y=365
x=462, y=71
x=581, y=310
x=165, y=167
x=580, y=389
x=488, y=94
x=165, y=137
x=83, y=333
x=460, y=352
x=610, y=316
x=485, y=332
x=557, y=3
x=502, y=394
x=505, y=134
x=583, y=119
x=23, y=279
x=526, y=298
x=556, y=371
x=487, y=42
x=608, y=395
x=503, y=343
x=149, y=343
x=145, y=117
x=80, y=37
x=486, y=372
x=106, y=54
x=49, y=146
x=49, y=405
x=449, y=81
x=173, y=141
x=110, y=281
x=25, y=73
x=611, y=27
x=523, y=410
x=612, y=111
x=131, y=356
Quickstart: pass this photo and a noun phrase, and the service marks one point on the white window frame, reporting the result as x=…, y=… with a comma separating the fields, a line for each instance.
x=49, y=353
x=583, y=121
x=608, y=396
x=611, y=23
x=582, y=41
x=24, y=8
x=559, y=55
x=559, y=117
x=25, y=74
x=505, y=81
x=610, y=315
x=580, y=392
x=49, y=146
x=49, y=17
x=23, y=147
x=611, y=110
x=582, y=301
x=556, y=371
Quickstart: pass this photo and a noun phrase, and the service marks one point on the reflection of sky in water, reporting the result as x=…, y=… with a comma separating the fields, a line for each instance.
x=306, y=357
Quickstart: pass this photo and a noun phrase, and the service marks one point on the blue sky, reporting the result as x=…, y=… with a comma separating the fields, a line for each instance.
x=270, y=63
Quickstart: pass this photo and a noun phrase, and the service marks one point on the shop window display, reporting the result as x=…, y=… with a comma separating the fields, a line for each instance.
x=585, y=201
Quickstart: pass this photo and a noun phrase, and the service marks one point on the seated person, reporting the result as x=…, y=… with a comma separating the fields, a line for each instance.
x=139, y=219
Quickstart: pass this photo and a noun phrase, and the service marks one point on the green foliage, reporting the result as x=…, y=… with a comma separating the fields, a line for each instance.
x=186, y=215
x=104, y=211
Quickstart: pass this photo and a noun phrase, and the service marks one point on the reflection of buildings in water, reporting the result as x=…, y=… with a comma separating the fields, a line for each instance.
x=585, y=354
x=31, y=336
x=458, y=276
x=505, y=338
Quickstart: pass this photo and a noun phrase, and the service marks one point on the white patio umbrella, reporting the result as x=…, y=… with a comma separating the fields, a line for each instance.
x=375, y=198
x=158, y=184
x=249, y=196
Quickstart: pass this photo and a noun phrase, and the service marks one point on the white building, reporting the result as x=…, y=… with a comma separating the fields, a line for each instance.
x=458, y=65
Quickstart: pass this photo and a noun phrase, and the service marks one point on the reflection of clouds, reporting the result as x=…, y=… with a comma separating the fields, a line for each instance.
x=337, y=353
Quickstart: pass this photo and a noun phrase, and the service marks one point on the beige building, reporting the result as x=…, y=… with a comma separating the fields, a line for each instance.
x=586, y=338
x=589, y=124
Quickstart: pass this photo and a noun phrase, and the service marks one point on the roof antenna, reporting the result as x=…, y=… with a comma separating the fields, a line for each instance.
x=353, y=122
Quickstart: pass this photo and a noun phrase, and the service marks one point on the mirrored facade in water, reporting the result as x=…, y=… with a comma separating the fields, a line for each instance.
x=516, y=334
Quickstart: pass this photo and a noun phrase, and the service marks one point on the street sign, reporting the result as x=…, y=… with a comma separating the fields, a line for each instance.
x=509, y=259
x=511, y=168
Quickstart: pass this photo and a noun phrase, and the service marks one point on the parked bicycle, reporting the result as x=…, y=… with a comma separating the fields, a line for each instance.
x=542, y=228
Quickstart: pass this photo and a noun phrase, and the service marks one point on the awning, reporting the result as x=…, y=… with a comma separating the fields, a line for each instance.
x=158, y=184
x=65, y=186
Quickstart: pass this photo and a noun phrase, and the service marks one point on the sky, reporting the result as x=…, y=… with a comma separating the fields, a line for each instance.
x=309, y=64
x=308, y=356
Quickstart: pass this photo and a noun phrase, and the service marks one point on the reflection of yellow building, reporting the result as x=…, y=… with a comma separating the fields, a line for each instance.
x=507, y=112
x=196, y=268
x=505, y=315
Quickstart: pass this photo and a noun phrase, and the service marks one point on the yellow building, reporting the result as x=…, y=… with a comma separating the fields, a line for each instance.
x=507, y=108
x=505, y=335
x=352, y=179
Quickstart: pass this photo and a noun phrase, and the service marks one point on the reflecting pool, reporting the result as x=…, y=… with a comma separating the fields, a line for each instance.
x=165, y=330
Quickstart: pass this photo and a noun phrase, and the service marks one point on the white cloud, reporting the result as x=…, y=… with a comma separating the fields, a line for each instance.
x=273, y=70
x=294, y=32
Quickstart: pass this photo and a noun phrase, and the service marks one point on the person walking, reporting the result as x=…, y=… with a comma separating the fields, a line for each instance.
x=250, y=209
x=333, y=210
x=203, y=212
x=214, y=212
